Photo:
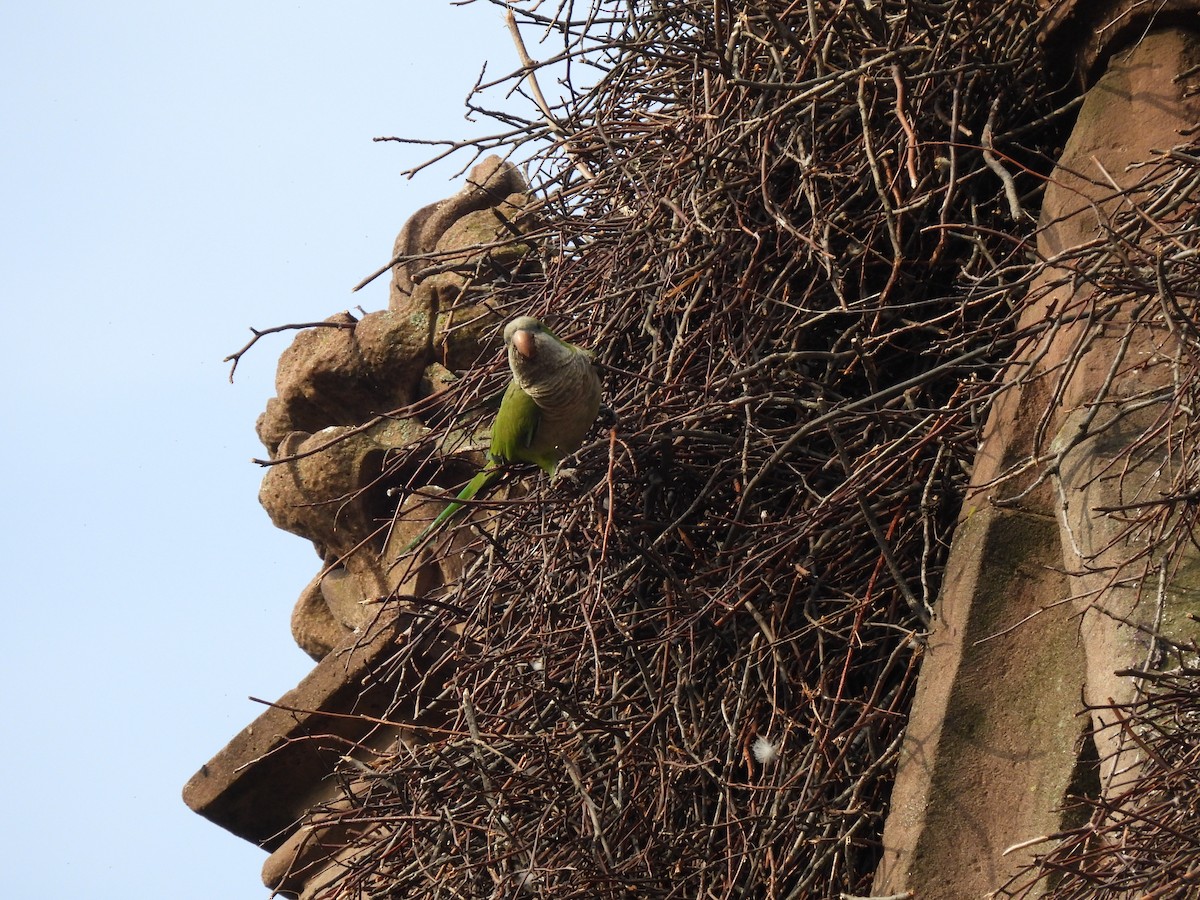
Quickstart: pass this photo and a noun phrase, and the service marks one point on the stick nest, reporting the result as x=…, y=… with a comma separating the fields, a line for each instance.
x=796, y=236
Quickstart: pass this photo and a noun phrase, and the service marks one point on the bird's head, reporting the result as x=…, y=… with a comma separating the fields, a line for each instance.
x=521, y=336
x=536, y=354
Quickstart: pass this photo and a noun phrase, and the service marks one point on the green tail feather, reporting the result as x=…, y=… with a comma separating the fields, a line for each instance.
x=480, y=482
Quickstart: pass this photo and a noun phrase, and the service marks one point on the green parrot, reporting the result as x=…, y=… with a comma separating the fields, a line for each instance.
x=548, y=407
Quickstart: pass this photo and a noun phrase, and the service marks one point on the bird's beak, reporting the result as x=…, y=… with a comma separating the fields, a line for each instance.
x=524, y=343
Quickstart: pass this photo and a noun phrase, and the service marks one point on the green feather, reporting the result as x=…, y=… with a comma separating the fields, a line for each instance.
x=482, y=480
x=512, y=432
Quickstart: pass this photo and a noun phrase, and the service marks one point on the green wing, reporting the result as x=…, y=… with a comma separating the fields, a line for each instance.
x=513, y=431
x=515, y=427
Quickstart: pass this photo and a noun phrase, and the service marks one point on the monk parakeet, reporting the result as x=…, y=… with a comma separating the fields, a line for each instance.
x=548, y=407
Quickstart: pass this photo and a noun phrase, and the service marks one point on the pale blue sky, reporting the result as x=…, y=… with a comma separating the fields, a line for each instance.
x=171, y=174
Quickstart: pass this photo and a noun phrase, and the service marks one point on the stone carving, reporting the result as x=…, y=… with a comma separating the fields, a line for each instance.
x=326, y=423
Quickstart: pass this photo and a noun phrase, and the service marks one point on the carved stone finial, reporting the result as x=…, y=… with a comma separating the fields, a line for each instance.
x=333, y=384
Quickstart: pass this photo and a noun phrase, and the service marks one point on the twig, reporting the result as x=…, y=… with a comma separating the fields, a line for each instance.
x=259, y=333
x=529, y=68
x=989, y=159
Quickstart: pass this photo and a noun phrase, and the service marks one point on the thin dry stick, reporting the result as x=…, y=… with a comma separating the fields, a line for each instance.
x=529, y=68
x=261, y=333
